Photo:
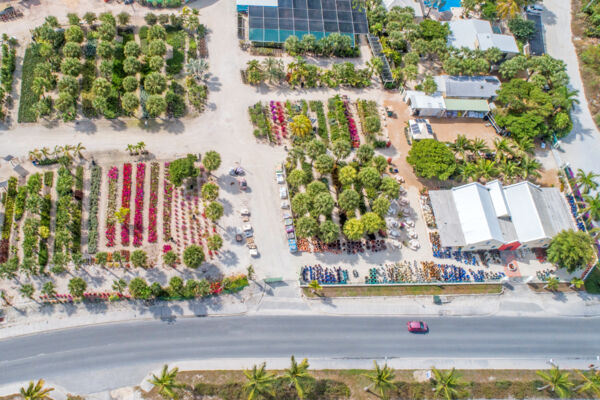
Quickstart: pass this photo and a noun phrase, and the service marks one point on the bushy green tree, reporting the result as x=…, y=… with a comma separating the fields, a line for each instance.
x=314, y=188
x=349, y=200
x=369, y=177
x=130, y=103
x=214, y=211
x=300, y=204
x=329, y=231
x=183, y=168
x=324, y=164
x=296, y=178
x=155, y=83
x=139, y=259
x=138, y=288
x=210, y=191
x=432, y=159
x=380, y=206
x=156, y=105
x=70, y=66
x=132, y=49
x=323, y=204
x=571, y=250
x=77, y=286
x=306, y=227
x=354, y=229
x=347, y=175
x=372, y=222
x=193, y=256
x=130, y=83
x=74, y=34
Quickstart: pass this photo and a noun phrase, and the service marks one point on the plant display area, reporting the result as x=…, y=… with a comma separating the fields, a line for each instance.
x=103, y=66
x=138, y=217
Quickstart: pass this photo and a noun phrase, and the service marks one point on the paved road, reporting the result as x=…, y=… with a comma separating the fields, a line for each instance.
x=108, y=356
x=581, y=147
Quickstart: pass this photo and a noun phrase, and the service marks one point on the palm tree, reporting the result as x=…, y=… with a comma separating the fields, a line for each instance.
x=507, y=9
x=524, y=145
x=485, y=169
x=66, y=151
x=165, y=383
x=197, y=68
x=447, y=384
x=509, y=170
x=260, y=382
x=586, y=181
x=591, y=382
x=58, y=151
x=314, y=286
x=77, y=150
x=45, y=151
x=381, y=379
x=557, y=381
x=466, y=171
x=140, y=147
x=297, y=375
x=273, y=69
x=36, y=391
x=461, y=145
x=552, y=283
x=529, y=167
x=132, y=149
x=503, y=149
x=300, y=125
x=568, y=98
x=35, y=155
x=591, y=206
x=577, y=283
x=478, y=146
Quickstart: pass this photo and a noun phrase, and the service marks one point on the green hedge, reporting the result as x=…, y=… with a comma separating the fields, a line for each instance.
x=28, y=97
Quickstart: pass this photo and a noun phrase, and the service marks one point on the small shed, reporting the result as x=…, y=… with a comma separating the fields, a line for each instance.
x=468, y=108
x=420, y=129
x=424, y=105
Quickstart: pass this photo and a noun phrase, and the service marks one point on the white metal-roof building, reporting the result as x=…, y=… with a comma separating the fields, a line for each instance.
x=478, y=34
x=468, y=87
x=414, y=4
x=485, y=217
x=425, y=105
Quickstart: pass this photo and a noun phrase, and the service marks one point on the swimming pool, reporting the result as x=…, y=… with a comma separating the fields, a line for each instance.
x=446, y=5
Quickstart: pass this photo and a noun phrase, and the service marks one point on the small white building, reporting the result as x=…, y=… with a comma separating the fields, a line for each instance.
x=414, y=4
x=425, y=105
x=487, y=217
x=420, y=129
x=478, y=34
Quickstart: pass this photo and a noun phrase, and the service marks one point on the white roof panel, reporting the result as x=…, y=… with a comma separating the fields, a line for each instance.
x=476, y=213
x=497, y=194
x=263, y=3
x=422, y=100
x=524, y=212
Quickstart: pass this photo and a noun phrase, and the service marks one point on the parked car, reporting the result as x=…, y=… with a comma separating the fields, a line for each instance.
x=248, y=230
x=283, y=192
x=280, y=178
x=417, y=327
x=245, y=212
x=238, y=234
x=243, y=184
x=285, y=205
x=535, y=8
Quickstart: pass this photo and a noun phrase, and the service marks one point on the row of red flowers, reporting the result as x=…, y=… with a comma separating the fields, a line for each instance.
x=113, y=176
x=138, y=218
x=153, y=208
x=125, y=201
x=168, y=193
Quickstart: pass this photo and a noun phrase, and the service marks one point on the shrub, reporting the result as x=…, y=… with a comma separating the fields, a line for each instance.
x=138, y=288
x=70, y=66
x=175, y=104
x=155, y=105
x=28, y=98
x=139, y=259
x=193, y=256
x=74, y=34
x=130, y=83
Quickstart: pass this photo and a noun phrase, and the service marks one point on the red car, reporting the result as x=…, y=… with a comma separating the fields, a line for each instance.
x=417, y=327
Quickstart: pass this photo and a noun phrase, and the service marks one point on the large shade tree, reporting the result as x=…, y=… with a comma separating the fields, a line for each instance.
x=571, y=250
x=431, y=159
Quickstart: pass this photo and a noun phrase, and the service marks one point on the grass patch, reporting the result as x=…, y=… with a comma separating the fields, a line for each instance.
x=28, y=97
x=404, y=290
x=175, y=63
x=592, y=283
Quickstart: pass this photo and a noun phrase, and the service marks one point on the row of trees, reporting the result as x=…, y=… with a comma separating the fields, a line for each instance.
x=335, y=44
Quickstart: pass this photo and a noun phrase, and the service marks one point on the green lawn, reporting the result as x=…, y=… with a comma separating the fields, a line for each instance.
x=405, y=290
x=592, y=283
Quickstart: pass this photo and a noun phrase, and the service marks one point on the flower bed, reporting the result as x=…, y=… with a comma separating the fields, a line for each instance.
x=316, y=106
x=153, y=208
x=338, y=123
x=111, y=209
x=138, y=218
x=167, y=205
x=76, y=210
x=45, y=222
x=95, y=181
x=125, y=203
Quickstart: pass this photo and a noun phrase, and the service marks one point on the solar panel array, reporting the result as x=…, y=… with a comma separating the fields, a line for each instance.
x=300, y=17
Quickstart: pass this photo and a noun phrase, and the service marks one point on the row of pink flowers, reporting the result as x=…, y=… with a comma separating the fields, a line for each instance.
x=168, y=194
x=351, y=126
x=138, y=218
x=153, y=209
x=125, y=201
x=113, y=176
x=278, y=117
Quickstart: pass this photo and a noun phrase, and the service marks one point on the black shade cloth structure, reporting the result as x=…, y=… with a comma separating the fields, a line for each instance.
x=301, y=17
x=377, y=50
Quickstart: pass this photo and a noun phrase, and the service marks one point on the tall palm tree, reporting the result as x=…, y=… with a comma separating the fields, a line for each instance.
x=260, y=382
x=524, y=145
x=381, y=379
x=530, y=167
x=591, y=206
x=35, y=155
x=77, y=150
x=466, y=171
x=503, y=149
x=485, y=169
x=507, y=9
x=461, y=145
x=58, y=151
x=197, y=68
x=273, y=69
x=301, y=126
x=577, y=283
x=447, y=384
x=478, y=146
x=568, y=98
x=587, y=181
x=509, y=170
x=36, y=391
x=591, y=382
x=166, y=383
x=297, y=375
x=66, y=150
x=557, y=381
x=45, y=151
x=140, y=147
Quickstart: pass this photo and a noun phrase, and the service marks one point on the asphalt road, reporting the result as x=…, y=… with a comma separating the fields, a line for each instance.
x=104, y=357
